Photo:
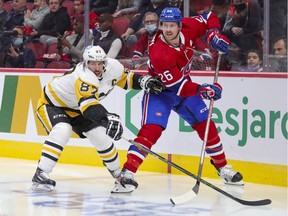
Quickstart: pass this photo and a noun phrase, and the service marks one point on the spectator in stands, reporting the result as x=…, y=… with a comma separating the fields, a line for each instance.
x=18, y=56
x=3, y=16
x=278, y=19
x=103, y=6
x=79, y=8
x=54, y=23
x=16, y=16
x=136, y=29
x=254, y=61
x=176, y=3
x=194, y=6
x=106, y=38
x=243, y=26
x=74, y=44
x=280, y=47
x=279, y=64
x=151, y=23
x=220, y=8
x=127, y=8
x=197, y=7
x=35, y=18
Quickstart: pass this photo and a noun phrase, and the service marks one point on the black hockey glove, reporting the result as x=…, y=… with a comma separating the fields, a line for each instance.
x=151, y=84
x=114, y=128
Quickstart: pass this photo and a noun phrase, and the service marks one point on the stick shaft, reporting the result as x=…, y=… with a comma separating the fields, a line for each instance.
x=244, y=202
x=202, y=155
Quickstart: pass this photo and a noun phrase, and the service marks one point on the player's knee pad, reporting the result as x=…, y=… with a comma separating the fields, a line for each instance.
x=213, y=136
x=60, y=133
x=97, y=136
x=149, y=134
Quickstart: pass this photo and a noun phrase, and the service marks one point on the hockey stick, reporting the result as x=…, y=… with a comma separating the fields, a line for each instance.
x=191, y=194
x=243, y=202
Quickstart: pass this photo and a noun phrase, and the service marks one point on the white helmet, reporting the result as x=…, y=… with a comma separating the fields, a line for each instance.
x=94, y=53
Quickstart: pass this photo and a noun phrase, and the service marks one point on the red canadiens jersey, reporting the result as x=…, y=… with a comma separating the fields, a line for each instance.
x=173, y=64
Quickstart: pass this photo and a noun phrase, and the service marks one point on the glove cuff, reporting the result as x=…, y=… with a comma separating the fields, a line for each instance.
x=113, y=116
x=211, y=33
x=143, y=81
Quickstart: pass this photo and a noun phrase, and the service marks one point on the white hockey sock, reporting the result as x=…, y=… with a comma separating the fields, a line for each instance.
x=105, y=147
x=53, y=146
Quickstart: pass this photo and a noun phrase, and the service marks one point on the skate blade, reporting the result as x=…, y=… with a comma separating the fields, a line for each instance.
x=36, y=187
x=240, y=183
x=120, y=189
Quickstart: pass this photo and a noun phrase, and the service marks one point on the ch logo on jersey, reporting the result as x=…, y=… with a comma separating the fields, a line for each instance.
x=186, y=69
x=189, y=56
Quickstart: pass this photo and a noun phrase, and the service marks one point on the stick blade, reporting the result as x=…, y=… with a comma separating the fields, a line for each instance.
x=255, y=203
x=183, y=198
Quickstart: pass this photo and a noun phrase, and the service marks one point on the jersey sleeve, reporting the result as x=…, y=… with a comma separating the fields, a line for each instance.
x=211, y=20
x=202, y=23
x=129, y=80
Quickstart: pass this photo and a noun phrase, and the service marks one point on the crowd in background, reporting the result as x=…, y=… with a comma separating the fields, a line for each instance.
x=50, y=33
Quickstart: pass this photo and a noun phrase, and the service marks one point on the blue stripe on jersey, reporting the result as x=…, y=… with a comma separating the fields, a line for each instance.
x=134, y=150
x=214, y=149
x=205, y=16
x=174, y=87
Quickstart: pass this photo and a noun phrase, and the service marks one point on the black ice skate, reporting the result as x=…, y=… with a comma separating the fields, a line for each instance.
x=125, y=183
x=41, y=182
x=228, y=175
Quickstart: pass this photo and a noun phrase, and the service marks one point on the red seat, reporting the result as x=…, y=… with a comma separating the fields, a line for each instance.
x=8, y=5
x=38, y=48
x=126, y=51
x=120, y=25
x=59, y=65
x=52, y=48
x=70, y=7
x=40, y=64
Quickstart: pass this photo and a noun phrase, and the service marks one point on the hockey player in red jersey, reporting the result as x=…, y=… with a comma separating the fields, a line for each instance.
x=171, y=56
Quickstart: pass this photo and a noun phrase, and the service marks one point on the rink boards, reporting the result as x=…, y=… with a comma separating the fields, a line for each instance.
x=251, y=119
